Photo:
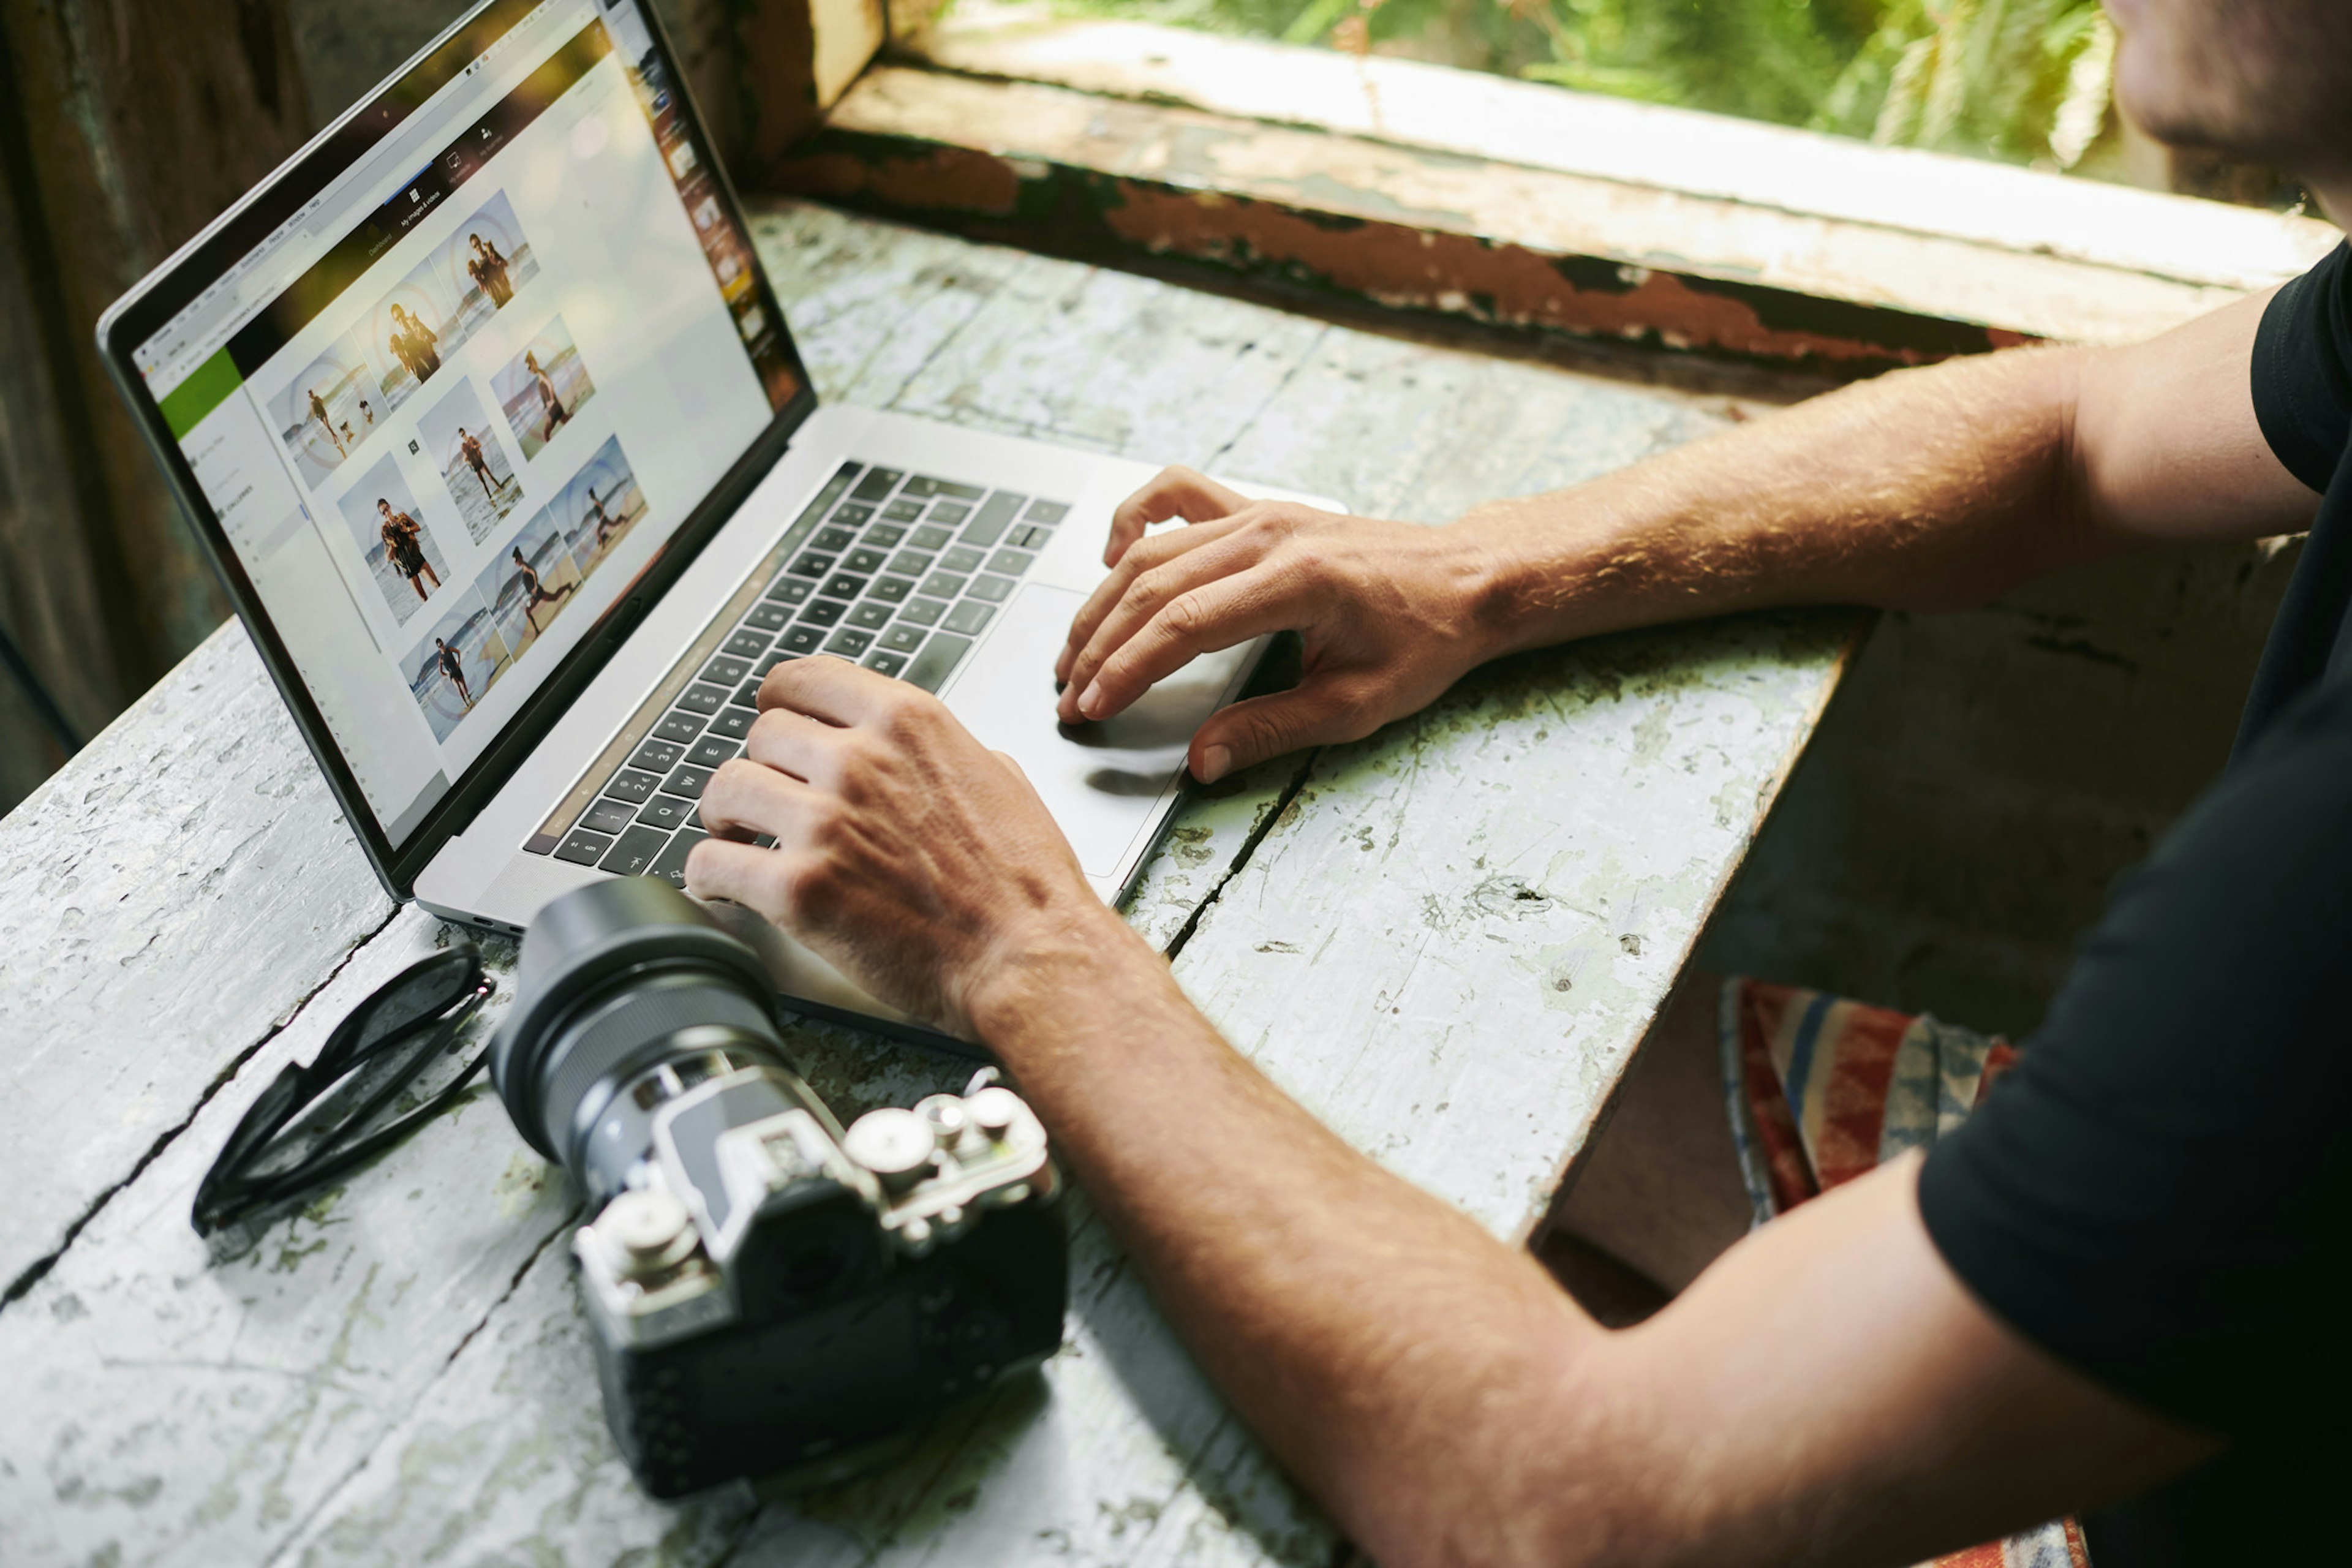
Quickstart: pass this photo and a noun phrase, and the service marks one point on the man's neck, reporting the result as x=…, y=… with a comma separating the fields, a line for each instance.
x=2334, y=199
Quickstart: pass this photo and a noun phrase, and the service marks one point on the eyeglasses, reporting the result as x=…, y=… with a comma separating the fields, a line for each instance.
x=398, y=1052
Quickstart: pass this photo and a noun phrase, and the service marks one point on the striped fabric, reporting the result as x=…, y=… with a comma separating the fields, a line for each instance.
x=1820, y=1089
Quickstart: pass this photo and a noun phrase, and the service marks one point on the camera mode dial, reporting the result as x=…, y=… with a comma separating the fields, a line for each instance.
x=899, y=1147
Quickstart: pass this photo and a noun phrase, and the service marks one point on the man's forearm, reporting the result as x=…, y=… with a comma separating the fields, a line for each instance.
x=1924, y=489
x=1387, y=1348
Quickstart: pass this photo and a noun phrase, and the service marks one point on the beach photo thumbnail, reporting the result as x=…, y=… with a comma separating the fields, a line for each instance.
x=413, y=329
x=528, y=583
x=600, y=505
x=402, y=557
x=328, y=412
x=486, y=261
x=543, y=387
x=457, y=438
x=454, y=664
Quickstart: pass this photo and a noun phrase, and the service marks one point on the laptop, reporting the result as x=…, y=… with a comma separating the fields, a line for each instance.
x=484, y=410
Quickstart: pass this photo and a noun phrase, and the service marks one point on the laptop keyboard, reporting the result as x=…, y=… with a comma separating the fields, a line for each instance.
x=900, y=572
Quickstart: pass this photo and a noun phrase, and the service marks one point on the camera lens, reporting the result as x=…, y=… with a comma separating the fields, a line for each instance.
x=626, y=994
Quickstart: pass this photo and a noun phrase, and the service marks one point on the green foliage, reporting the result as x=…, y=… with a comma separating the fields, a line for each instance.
x=2019, y=79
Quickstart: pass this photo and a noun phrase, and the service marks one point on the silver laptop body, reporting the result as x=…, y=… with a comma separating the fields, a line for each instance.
x=487, y=414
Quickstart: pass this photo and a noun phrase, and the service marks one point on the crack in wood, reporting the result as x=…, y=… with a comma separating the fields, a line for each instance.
x=32, y=1272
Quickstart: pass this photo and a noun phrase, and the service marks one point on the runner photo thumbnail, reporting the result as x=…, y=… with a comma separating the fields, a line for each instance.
x=600, y=505
x=455, y=663
x=543, y=387
x=487, y=261
x=528, y=585
x=456, y=436
x=326, y=412
x=388, y=526
x=414, y=327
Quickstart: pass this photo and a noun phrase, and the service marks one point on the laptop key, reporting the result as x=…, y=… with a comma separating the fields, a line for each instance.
x=949, y=513
x=633, y=852
x=923, y=612
x=992, y=590
x=687, y=780
x=1011, y=562
x=888, y=664
x=884, y=535
x=726, y=669
x=931, y=666
x=943, y=584
x=734, y=723
x=995, y=515
x=760, y=670
x=801, y=639
x=666, y=812
x=963, y=558
x=679, y=725
x=870, y=616
x=768, y=617
x=657, y=756
x=635, y=787
x=709, y=752
x=878, y=483
x=866, y=562
x=1046, y=511
x=849, y=644
x=582, y=848
x=820, y=612
x=844, y=586
x=671, y=865
x=1028, y=536
x=852, y=516
x=890, y=590
x=702, y=700
x=902, y=638
x=835, y=538
x=903, y=511
x=748, y=645
x=790, y=590
x=931, y=536
x=813, y=564
x=911, y=563
x=968, y=617
x=606, y=816
x=747, y=696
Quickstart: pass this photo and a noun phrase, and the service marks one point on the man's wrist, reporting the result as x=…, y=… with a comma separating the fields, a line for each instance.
x=1074, y=956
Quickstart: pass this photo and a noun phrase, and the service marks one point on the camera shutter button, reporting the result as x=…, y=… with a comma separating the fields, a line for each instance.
x=896, y=1145
x=993, y=1111
x=651, y=1230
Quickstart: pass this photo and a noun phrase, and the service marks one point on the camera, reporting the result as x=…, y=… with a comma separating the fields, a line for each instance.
x=769, y=1293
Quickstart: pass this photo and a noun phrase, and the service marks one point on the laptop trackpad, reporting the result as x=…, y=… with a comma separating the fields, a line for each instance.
x=1104, y=783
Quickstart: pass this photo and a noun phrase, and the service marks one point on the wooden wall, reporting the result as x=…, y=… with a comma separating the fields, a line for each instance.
x=123, y=130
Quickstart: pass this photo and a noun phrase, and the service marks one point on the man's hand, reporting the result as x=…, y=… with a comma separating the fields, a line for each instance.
x=912, y=857
x=1392, y=614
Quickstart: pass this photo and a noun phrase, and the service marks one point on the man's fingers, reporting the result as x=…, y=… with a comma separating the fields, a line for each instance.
x=792, y=742
x=749, y=797
x=829, y=688
x=1146, y=596
x=759, y=880
x=1215, y=615
x=1176, y=491
x=1247, y=733
x=1149, y=555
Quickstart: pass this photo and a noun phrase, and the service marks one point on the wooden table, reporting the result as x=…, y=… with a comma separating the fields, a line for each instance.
x=1446, y=940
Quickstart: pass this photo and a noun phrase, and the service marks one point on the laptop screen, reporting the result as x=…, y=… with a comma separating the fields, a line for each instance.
x=467, y=390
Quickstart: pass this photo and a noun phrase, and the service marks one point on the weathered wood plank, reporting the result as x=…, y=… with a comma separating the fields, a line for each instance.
x=401, y=1369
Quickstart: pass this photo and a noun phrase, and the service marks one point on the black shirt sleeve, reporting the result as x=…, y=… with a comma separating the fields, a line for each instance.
x=2158, y=1193
x=2303, y=370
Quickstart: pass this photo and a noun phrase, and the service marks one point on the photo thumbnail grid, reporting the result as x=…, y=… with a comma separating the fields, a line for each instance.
x=455, y=438
x=513, y=600
x=325, y=413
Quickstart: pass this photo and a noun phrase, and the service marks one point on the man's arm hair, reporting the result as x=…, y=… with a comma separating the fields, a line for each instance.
x=1827, y=1392
x=1929, y=489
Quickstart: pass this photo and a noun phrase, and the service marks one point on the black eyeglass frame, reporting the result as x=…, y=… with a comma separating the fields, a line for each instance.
x=228, y=1194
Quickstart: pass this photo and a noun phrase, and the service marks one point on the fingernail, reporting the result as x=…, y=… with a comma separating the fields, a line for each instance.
x=1091, y=699
x=1216, y=764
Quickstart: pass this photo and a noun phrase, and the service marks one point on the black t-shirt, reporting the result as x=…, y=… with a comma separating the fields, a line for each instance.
x=2161, y=1193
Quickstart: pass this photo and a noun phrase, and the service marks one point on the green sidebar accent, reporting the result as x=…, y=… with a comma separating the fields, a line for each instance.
x=207, y=386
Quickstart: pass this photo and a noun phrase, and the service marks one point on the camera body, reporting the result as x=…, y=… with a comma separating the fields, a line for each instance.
x=767, y=1293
